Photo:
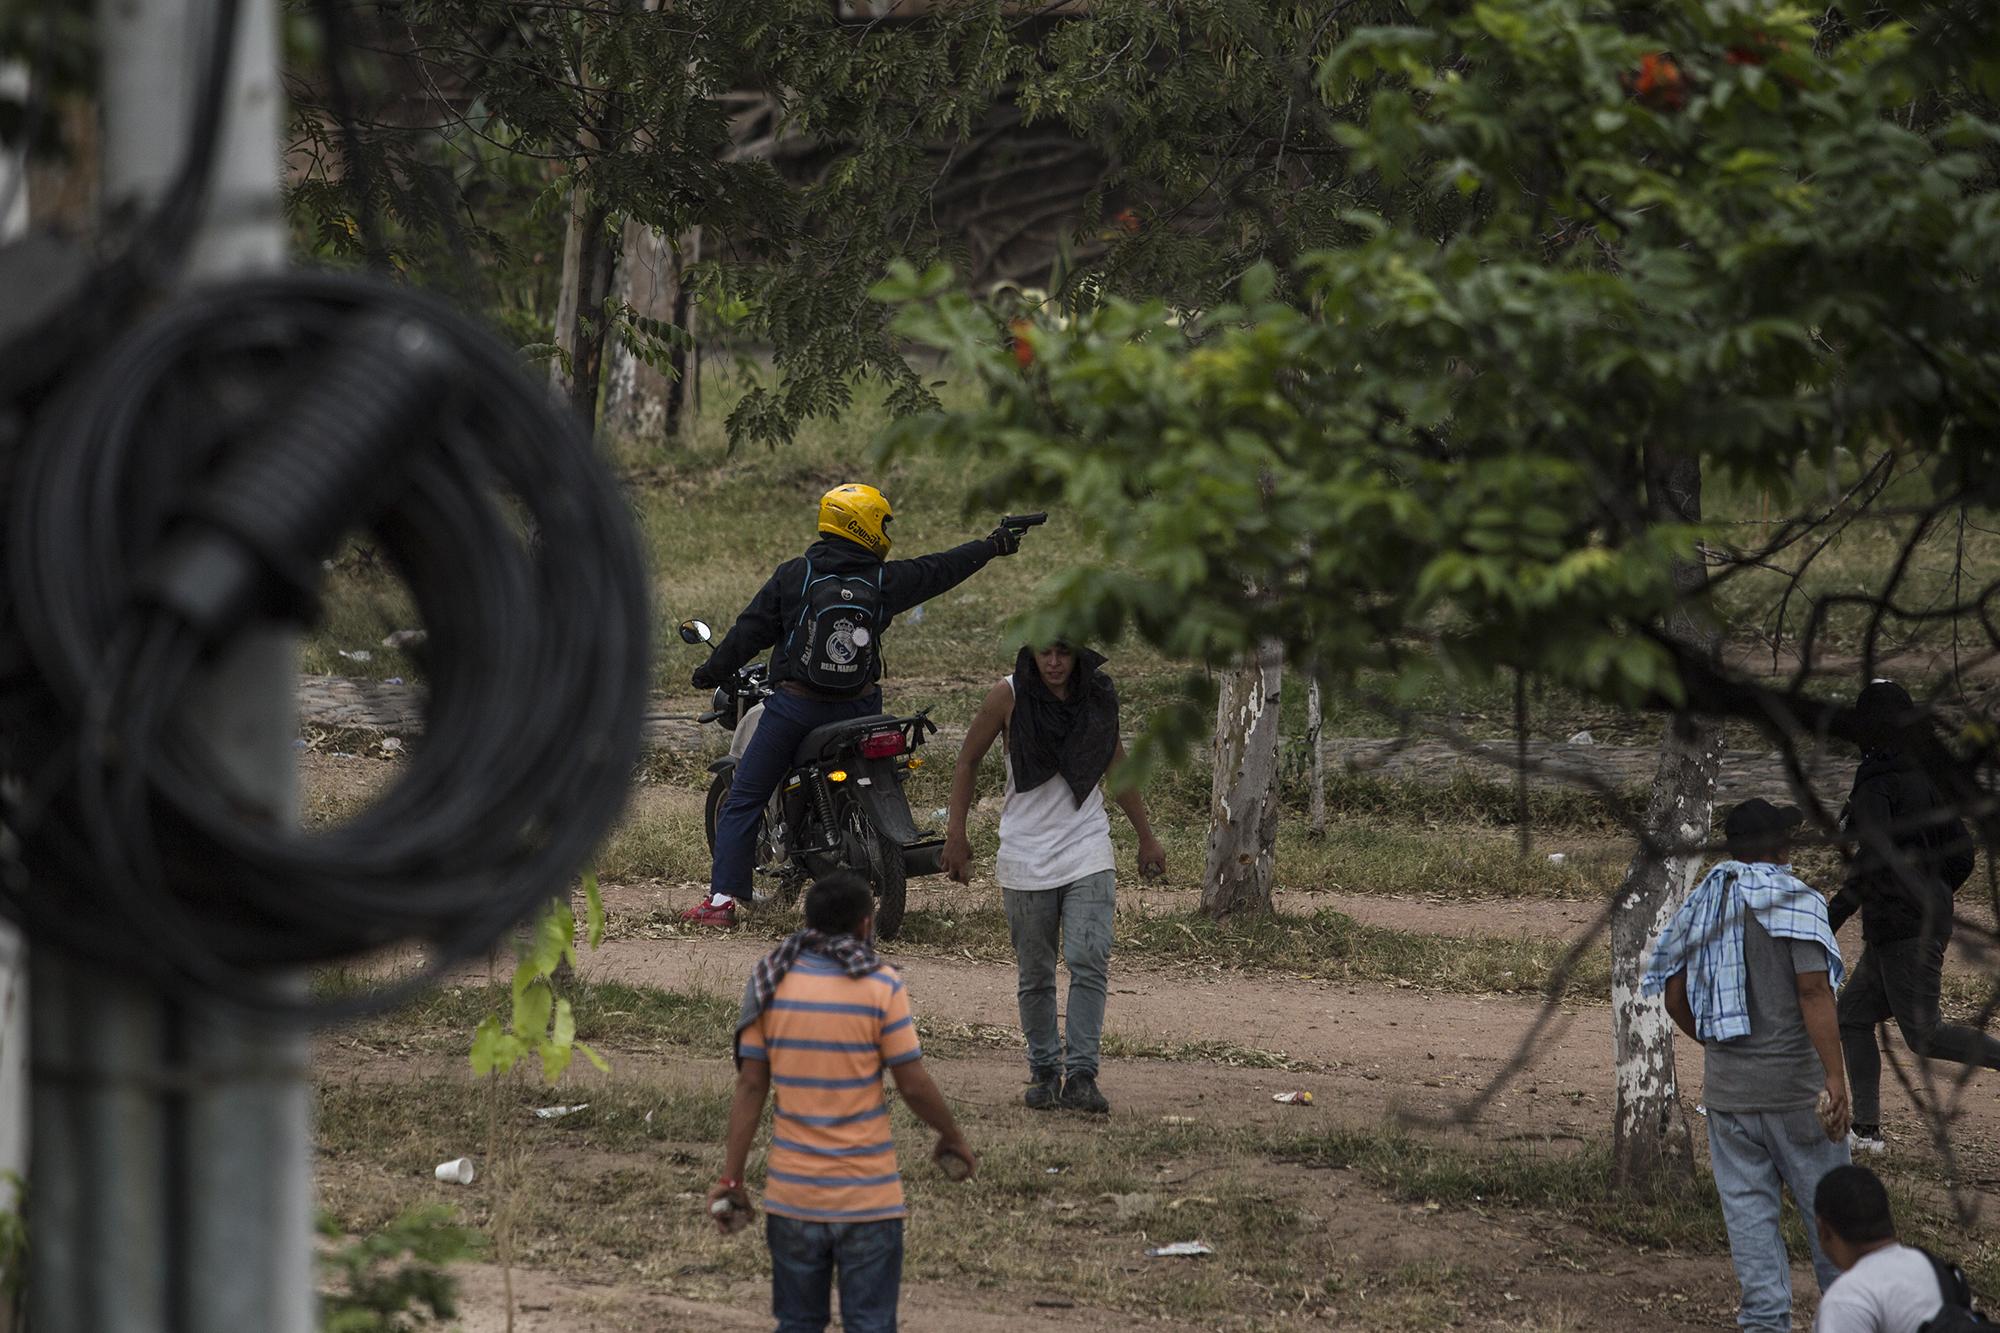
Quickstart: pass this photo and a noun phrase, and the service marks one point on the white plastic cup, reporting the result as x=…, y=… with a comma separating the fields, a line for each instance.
x=458, y=1171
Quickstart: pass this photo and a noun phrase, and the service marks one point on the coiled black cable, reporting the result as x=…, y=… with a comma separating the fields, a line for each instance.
x=184, y=488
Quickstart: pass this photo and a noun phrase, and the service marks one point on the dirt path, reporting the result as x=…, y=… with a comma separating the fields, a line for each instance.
x=1383, y=1049
x=1972, y=953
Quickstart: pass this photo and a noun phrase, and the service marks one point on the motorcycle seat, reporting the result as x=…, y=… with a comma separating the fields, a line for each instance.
x=821, y=738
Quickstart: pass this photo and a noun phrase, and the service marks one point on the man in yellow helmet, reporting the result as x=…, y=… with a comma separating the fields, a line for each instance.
x=822, y=615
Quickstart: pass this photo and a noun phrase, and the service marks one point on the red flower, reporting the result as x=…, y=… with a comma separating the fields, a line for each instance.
x=1661, y=84
x=1128, y=221
x=1024, y=352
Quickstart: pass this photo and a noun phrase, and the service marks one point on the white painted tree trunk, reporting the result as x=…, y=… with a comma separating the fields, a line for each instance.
x=1652, y=1149
x=1315, y=748
x=1243, y=814
x=1651, y=1143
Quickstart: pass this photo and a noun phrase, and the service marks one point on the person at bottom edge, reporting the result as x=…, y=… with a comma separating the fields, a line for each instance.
x=1749, y=966
x=822, y=1018
x=1058, y=715
x=1884, y=1286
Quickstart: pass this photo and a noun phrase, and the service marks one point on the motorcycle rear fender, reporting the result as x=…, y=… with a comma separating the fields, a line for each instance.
x=882, y=800
x=723, y=765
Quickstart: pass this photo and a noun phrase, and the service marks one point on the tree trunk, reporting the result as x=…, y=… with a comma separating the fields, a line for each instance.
x=1315, y=743
x=1652, y=1149
x=1243, y=818
x=640, y=401
x=589, y=257
x=684, y=389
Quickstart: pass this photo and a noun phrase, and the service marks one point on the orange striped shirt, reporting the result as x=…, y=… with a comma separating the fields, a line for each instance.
x=828, y=1037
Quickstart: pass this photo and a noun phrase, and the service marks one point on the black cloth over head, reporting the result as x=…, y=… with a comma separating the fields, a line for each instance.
x=1073, y=738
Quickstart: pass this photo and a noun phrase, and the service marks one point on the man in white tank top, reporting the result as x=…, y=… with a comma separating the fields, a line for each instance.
x=1058, y=713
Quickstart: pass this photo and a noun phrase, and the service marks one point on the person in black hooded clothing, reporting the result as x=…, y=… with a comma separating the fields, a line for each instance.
x=823, y=616
x=1912, y=855
x=1058, y=712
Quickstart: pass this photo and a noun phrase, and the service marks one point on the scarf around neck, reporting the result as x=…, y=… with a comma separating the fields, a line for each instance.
x=852, y=954
x=1073, y=738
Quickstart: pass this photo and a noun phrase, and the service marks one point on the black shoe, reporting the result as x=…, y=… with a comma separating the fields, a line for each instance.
x=1044, y=1091
x=1080, y=1094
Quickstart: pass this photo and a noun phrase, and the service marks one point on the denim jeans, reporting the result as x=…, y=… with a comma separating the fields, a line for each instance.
x=1901, y=980
x=1078, y=918
x=766, y=759
x=805, y=1256
x=1752, y=1153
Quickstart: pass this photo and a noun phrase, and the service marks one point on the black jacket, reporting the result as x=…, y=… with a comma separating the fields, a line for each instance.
x=771, y=613
x=1890, y=793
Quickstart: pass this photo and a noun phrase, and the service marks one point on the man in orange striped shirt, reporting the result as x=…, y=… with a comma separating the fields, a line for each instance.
x=822, y=1018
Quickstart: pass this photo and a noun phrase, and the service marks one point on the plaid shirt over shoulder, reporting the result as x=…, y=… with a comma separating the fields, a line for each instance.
x=1705, y=940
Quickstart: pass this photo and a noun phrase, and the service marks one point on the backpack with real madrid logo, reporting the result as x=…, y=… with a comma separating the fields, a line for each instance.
x=834, y=643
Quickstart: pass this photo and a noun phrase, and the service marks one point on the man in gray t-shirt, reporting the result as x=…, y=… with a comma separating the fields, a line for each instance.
x=1774, y=1068
x=1748, y=962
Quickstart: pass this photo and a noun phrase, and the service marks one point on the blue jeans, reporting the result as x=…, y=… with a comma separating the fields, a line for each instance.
x=786, y=720
x=1752, y=1153
x=804, y=1258
x=1078, y=918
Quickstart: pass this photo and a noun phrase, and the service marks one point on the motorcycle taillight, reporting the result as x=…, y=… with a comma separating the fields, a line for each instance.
x=883, y=745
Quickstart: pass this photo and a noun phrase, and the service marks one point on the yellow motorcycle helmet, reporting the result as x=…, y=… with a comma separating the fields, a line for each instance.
x=860, y=514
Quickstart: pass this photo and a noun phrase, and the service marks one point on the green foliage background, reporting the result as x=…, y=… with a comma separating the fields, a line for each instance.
x=1421, y=449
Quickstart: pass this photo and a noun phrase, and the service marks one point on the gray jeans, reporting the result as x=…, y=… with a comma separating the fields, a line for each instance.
x=1076, y=917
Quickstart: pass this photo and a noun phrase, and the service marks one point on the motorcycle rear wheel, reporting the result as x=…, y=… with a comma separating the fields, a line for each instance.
x=886, y=877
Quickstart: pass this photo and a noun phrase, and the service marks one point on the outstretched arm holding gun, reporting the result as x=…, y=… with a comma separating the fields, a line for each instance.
x=1006, y=538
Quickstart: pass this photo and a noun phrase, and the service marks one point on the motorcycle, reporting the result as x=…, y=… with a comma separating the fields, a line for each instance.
x=840, y=807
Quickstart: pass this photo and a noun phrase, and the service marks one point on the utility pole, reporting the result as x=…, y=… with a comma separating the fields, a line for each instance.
x=13, y=949
x=170, y=1189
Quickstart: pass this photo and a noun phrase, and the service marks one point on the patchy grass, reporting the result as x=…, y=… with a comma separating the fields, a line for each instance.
x=1055, y=1211
x=661, y=837
x=1320, y=945
x=646, y=1018
x=1575, y=1185
x=608, y=1013
x=362, y=602
x=1059, y=1208
x=1412, y=846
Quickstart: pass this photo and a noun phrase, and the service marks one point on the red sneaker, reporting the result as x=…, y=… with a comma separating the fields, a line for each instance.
x=708, y=912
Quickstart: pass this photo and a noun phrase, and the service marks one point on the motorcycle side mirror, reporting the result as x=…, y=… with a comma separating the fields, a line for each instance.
x=695, y=631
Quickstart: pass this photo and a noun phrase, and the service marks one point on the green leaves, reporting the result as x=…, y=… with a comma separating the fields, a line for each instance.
x=540, y=1022
x=1706, y=230
x=394, y=1279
